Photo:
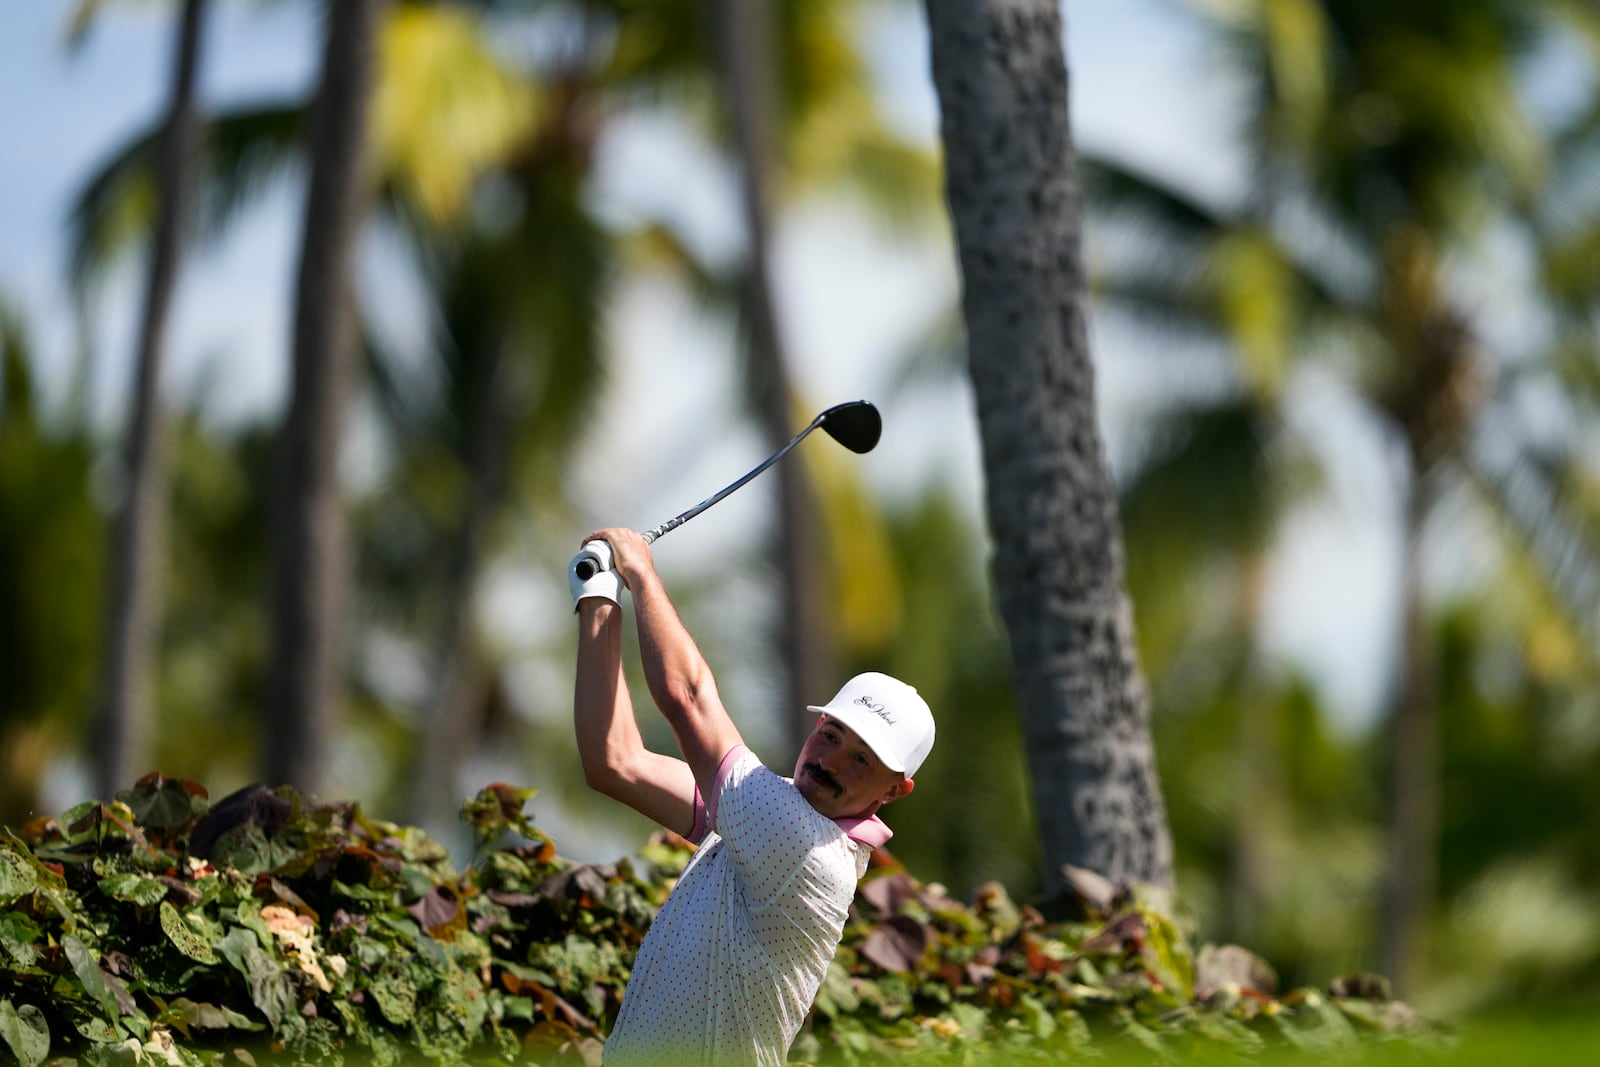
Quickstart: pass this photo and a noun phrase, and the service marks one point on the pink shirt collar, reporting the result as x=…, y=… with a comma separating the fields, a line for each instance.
x=870, y=831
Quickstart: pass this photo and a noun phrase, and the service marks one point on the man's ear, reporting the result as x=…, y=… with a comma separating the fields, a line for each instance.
x=901, y=788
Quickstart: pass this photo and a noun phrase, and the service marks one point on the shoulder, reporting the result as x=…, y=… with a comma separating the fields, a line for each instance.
x=746, y=789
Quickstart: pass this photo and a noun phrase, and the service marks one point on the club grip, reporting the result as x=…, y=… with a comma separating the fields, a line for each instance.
x=593, y=557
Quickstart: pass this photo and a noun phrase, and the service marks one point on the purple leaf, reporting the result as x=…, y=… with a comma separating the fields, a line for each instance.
x=897, y=944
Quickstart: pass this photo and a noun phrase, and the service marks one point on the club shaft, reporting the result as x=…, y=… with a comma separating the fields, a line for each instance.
x=586, y=569
x=678, y=520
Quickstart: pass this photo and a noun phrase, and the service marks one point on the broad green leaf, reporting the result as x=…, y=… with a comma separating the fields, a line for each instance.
x=497, y=810
x=238, y=941
x=362, y=892
x=16, y=875
x=87, y=968
x=97, y=1029
x=161, y=803
x=972, y=1019
x=417, y=883
x=19, y=936
x=269, y=985
x=135, y=888
x=126, y=1054
x=246, y=848
x=184, y=937
x=188, y=1013
x=1174, y=965
x=163, y=970
x=1036, y=1017
x=395, y=992
x=25, y=1032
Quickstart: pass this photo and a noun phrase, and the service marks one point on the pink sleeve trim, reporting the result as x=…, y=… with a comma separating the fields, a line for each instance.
x=723, y=770
x=872, y=832
x=697, y=832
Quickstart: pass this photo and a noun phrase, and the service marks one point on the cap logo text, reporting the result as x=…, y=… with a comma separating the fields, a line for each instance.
x=876, y=709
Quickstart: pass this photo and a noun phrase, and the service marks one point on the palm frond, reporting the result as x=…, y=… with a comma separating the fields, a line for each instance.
x=446, y=108
x=1122, y=190
x=1545, y=510
x=247, y=149
x=663, y=248
x=114, y=211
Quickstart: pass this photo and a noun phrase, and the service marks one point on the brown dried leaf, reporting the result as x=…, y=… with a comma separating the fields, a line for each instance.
x=1123, y=936
x=436, y=909
x=888, y=893
x=1218, y=966
x=897, y=944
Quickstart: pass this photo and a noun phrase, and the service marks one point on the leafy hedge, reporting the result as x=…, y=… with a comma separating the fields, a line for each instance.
x=159, y=928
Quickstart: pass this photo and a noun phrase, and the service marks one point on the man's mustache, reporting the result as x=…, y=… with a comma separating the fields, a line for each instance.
x=822, y=776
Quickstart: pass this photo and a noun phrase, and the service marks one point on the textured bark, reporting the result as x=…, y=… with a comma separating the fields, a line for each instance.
x=309, y=554
x=1435, y=395
x=1260, y=826
x=748, y=57
x=1011, y=184
x=122, y=738
x=1413, y=774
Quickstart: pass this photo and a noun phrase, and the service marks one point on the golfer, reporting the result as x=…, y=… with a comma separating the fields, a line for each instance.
x=732, y=963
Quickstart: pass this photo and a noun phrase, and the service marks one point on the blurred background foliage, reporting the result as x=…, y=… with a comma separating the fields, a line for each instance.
x=1409, y=170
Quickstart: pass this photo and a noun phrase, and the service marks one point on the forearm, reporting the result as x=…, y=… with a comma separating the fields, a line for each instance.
x=607, y=732
x=615, y=760
x=679, y=678
x=681, y=682
x=674, y=669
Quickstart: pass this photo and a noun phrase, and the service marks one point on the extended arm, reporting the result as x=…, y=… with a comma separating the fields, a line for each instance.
x=680, y=680
x=615, y=761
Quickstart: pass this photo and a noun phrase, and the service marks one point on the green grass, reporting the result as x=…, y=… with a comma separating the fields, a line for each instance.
x=1554, y=1041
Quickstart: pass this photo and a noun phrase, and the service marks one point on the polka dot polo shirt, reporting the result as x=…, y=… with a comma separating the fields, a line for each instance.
x=732, y=963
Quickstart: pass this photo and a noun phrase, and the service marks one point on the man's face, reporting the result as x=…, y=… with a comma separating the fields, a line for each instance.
x=841, y=776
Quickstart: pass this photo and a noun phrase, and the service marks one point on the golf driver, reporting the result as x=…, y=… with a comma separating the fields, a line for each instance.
x=855, y=424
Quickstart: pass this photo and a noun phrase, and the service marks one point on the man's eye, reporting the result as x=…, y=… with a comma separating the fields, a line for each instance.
x=861, y=761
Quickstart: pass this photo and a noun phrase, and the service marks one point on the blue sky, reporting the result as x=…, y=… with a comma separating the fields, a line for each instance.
x=1143, y=87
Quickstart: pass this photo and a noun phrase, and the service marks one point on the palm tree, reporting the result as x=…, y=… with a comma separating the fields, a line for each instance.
x=611, y=57
x=1396, y=131
x=438, y=85
x=122, y=734
x=530, y=132
x=747, y=59
x=1012, y=188
x=519, y=311
x=308, y=594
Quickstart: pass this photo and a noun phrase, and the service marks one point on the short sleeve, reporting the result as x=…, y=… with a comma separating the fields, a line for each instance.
x=771, y=831
x=702, y=823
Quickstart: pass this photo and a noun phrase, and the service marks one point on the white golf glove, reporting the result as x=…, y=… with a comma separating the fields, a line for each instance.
x=604, y=582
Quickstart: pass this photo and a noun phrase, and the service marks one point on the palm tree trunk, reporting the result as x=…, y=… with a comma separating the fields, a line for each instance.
x=1261, y=803
x=1413, y=770
x=122, y=738
x=748, y=60
x=1012, y=188
x=309, y=526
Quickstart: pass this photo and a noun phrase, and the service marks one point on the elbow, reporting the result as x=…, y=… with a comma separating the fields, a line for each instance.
x=605, y=775
x=599, y=776
x=679, y=700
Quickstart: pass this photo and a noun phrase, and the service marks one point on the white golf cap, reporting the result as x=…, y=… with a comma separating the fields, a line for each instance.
x=888, y=716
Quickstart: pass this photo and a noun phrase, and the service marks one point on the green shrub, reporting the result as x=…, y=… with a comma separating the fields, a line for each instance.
x=158, y=928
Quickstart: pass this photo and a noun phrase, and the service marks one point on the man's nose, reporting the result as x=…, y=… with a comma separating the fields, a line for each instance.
x=832, y=762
